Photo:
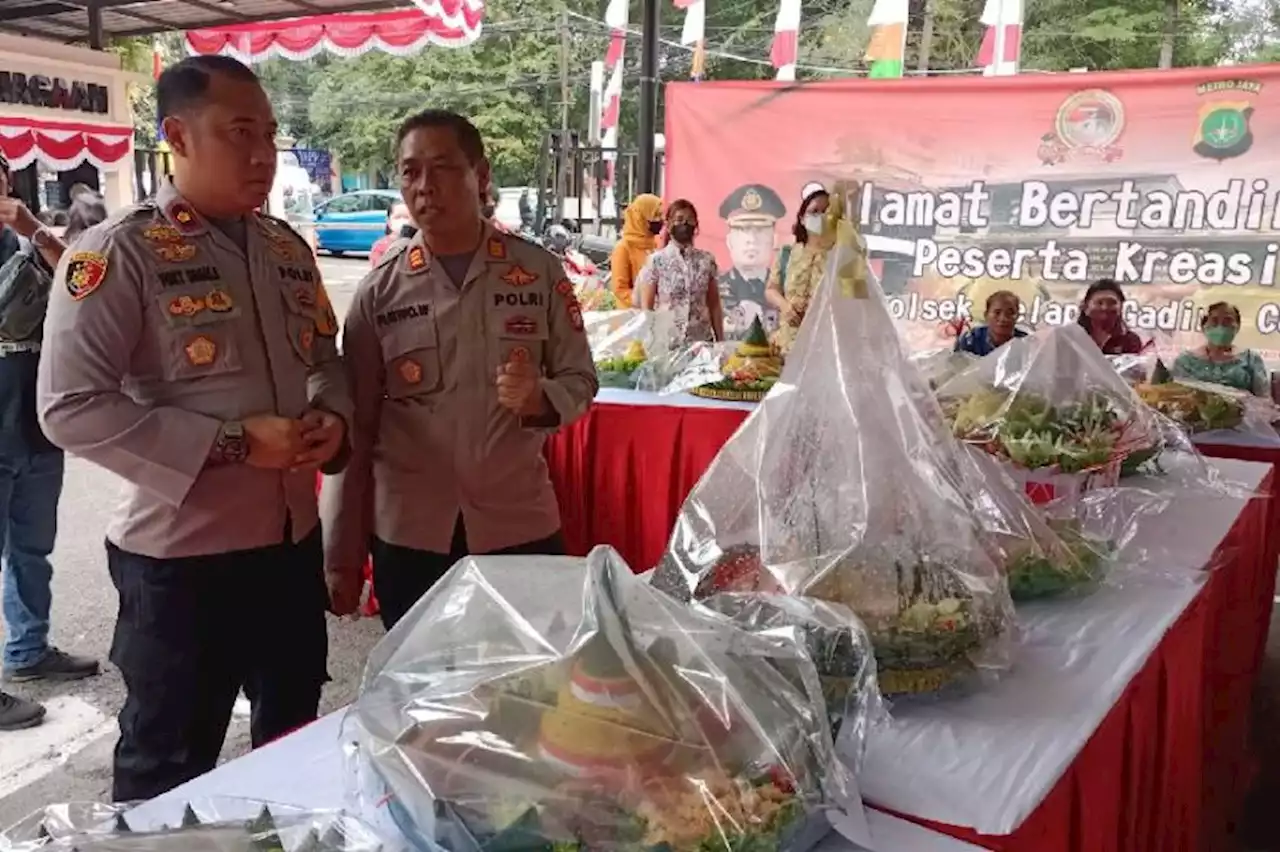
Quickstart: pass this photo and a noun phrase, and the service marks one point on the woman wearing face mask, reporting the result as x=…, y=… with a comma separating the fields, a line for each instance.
x=999, y=325
x=793, y=280
x=681, y=280
x=398, y=222
x=1102, y=315
x=1218, y=361
x=641, y=224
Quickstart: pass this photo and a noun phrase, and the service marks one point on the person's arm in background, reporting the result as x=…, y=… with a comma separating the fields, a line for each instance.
x=647, y=286
x=346, y=500
x=621, y=281
x=773, y=293
x=24, y=223
x=714, y=306
x=1260, y=377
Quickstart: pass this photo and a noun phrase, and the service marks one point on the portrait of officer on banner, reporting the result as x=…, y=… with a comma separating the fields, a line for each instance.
x=751, y=211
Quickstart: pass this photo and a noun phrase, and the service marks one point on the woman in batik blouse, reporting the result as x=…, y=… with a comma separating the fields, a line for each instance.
x=681, y=280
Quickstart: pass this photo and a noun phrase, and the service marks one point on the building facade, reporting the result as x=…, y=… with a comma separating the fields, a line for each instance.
x=65, y=118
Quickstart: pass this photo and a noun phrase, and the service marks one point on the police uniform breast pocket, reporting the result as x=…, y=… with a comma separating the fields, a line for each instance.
x=518, y=323
x=411, y=358
x=197, y=332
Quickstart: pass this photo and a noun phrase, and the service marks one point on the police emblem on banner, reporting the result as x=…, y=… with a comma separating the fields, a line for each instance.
x=1222, y=122
x=1088, y=126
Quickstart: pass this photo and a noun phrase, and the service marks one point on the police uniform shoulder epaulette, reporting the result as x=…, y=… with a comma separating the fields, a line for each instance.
x=284, y=225
x=392, y=254
x=121, y=220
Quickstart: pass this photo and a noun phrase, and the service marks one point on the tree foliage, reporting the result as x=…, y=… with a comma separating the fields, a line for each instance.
x=509, y=81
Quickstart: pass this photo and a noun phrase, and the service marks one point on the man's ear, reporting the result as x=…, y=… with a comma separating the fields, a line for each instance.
x=175, y=133
x=484, y=178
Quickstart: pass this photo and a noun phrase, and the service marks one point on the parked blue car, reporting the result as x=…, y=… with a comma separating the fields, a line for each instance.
x=353, y=221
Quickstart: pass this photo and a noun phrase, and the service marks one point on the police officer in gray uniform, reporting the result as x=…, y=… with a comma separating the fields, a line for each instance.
x=191, y=350
x=465, y=349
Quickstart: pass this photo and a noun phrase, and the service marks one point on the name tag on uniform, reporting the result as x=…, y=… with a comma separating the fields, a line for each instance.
x=297, y=273
x=399, y=315
x=189, y=275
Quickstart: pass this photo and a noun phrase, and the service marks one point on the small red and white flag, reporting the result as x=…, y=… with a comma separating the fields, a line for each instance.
x=694, y=33
x=1003, y=35
x=786, y=39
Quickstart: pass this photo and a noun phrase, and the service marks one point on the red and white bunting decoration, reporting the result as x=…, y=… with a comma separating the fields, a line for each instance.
x=1001, y=18
x=443, y=23
x=694, y=33
x=786, y=39
x=61, y=146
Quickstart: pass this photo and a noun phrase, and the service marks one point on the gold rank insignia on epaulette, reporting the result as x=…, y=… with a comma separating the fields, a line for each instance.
x=168, y=243
x=281, y=240
x=416, y=259
x=497, y=248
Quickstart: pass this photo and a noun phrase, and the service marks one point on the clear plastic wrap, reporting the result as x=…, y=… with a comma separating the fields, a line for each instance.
x=836, y=641
x=1057, y=410
x=621, y=343
x=210, y=825
x=1205, y=411
x=1210, y=412
x=562, y=703
x=845, y=485
x=736, y=371
x=938, y=366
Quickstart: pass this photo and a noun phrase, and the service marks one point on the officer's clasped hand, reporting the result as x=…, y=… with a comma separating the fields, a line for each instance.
x=274, y=441
x=519, y=389
x=322, y=437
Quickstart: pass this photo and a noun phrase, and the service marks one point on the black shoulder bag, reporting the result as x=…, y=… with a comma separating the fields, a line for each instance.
x=24, y=294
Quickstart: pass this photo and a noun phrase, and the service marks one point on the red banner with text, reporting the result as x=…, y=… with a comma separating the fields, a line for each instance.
x=1039, y=184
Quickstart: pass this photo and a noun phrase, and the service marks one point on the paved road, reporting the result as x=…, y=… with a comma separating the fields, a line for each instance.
x=69, y=758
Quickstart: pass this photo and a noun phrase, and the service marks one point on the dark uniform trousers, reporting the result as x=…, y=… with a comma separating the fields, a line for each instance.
x=191, y=633
x=401, y=575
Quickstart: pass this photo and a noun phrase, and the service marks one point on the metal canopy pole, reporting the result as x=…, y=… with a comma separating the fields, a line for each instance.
x=648, y=95
x=96, y=40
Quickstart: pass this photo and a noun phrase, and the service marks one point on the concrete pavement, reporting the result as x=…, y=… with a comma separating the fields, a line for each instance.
x=69, y=757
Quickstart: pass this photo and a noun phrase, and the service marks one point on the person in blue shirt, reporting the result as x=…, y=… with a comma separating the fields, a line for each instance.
x=1000, y=325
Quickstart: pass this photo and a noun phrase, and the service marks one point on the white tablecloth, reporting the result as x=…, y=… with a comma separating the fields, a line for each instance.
x=306, y=769
x=987, y=760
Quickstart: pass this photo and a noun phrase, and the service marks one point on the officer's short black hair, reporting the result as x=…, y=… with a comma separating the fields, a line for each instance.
x=184, y=85
x=469, y=138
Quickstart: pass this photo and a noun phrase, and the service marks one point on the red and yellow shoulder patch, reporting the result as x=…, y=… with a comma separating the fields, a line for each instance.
x=416, y=257
x=85, y=273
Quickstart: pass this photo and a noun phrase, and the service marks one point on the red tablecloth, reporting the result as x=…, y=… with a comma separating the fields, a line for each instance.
x=1166, y=770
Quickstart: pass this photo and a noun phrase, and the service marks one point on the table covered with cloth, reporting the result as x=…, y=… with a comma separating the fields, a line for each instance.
x=308, y=769
x=1125, y=723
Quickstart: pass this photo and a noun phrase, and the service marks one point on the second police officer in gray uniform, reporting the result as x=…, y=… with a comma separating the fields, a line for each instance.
x=190, y=348
x=465, y=348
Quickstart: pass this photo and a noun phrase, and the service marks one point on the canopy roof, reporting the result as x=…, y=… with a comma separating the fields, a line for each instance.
x=68, y=20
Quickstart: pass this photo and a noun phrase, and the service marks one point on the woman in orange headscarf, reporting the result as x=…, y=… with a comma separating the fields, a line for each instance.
x=641, y=225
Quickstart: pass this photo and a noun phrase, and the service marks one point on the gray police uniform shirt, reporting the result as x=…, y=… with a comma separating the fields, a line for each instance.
x=160, y=328
x=431, y=439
